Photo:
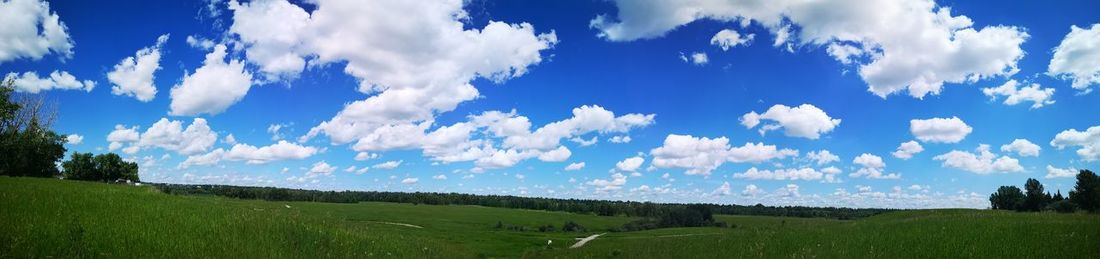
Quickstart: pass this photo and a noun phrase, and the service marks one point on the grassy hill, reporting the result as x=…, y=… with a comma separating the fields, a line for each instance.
x=49, y=217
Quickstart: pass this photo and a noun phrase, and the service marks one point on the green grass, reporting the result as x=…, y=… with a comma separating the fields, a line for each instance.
x=49, y=217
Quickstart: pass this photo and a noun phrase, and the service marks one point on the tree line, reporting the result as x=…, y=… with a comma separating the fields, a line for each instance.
x=1084, y=196
x=29, y=148
x=582, y=206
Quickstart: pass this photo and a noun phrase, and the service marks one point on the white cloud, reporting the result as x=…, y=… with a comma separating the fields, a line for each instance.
x=1037, y=96
x=872, y=168
x=822, y=157
x=320, y=168
x=29, y=82
x=751, y=190
x=620, y=139
x=806, y=174
x=630, y=164
x=133, y=76
x=723, y=190
x=410, y=180
x=791, y=190
x=941, y=130
x=1054, y=172
x=697, y=58
x=364, y=156
x=806, y=121
x=727, y=39
x=557, y=155
x=440, y=177
x=906, y=150
x=279, y=151
x=574, y=166
x=200, y=43
x=31, y=31
x=1076, y=57
x=1022, y=147
x=616, y=183
x=702, y=155
x=984, y=162
x=165, y=134
x=74, y=139
x=212, y=88
x=388, y=164
x=1088, y=140
x=230, y=139
x=890, y=59
x=584, y=142
x=273, y=32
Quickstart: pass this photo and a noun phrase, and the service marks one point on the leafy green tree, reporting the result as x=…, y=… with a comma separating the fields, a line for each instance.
x=1057, y=197
x=1007, y=198
x=104, y=167
x=1035, y=199
x=1086, y=194
x=27, y=146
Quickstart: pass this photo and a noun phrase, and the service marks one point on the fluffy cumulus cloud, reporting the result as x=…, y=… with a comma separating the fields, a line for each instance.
x=1077, y=58
x=1013, y=95
x=696, y=58
x=574, y=166
x=557, y=155
x=889, y=58
x=250, y=154
x=727, y=39
x=74, y=139
x=1022, y=147
x=630, y=164
x=388, y=164
x=872, y=167
x=822, y=157
x=133, y=76
x=789, y=174
x=906, y=150
x=984, y=162
x=212, y=88
x=1054, y=172
x=1088, y=141
x=413, y=67
x=165, y=134
x=805, y=121
x=604, y=185
x=29, y=82
x=940, y=130
x=31, y=31
x=701, y=155
x=751, y=190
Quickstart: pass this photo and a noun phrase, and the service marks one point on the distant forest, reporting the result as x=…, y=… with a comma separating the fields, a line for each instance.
x=597, y=207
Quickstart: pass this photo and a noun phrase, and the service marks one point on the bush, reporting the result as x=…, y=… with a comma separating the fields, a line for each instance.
x=1063, y=206
x=571, y=226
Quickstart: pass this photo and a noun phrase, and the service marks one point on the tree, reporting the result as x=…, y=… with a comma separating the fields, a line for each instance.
x=1057, y=197
x=27, y=146
x=1035, y=199
x=1086, y=193
x=105, y=167
x=1007, y=198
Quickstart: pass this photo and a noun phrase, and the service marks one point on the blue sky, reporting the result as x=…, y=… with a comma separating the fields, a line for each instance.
x=412, y=86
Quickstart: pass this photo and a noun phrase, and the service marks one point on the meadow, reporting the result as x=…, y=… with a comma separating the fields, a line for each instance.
x=50, y=217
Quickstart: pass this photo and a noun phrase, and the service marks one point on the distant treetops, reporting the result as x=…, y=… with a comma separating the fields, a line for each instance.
x=1085, y=196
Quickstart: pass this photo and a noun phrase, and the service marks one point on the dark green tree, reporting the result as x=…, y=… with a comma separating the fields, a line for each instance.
x=1086, y=194
x=27, y=146
x=1007, y=198
x=105, y=168
x=81, y=166
x=1057, y=197
x=1035, y=199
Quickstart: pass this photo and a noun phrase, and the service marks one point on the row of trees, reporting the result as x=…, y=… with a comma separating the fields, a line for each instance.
x=27, y=145
x=598, y=207
x=1085, y=195
x=104, y=167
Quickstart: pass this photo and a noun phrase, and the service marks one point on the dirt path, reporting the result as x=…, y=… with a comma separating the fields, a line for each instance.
x=397, y=224
x=582, y=241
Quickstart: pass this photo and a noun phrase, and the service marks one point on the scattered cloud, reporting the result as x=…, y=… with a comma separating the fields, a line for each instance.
x=1075, y=58
x=1022, y=147
x=1088, y=140
x=31, y=30
x=984, y=162
x=906, y=150
x=133, y=76
x=29, y=82
x=805, y=121
x=940, y=130
x=212, y=88
x=1037, y=96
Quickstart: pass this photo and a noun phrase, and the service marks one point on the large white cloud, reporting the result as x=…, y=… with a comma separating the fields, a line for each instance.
x=29, y=82
x=1078, y=57
x=806, y=121
x=1088, y=140
x=984, y=162
x=872, y=167
x=906, y=150
x=899, y=45
x=1022, y=147
x=615, y=183
x=213, y=87
x=165, y=134
x=1054, y=172
x=941, y=130
x=791, y=174
x=30, y=30
x=414, y=66
x=701, y=155
x=630, y=164
x=250, y=154
x=133, y=76
x=822, y=157
x=1013, y=95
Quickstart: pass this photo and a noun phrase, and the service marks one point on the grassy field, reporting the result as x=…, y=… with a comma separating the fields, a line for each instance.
x=48, y=217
